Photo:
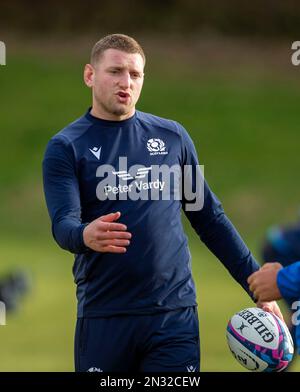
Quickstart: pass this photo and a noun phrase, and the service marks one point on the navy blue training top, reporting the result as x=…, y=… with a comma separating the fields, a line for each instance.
x=155, y=272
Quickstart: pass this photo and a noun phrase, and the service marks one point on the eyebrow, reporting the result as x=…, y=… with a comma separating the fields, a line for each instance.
x=120, y=67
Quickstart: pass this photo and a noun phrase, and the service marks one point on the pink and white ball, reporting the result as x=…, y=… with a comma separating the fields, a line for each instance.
x=259, y=340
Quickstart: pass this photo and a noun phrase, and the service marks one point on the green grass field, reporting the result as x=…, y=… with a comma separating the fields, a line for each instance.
x=246, y=130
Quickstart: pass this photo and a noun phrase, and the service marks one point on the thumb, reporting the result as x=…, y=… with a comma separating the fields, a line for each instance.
x=110, y=217
x=273, y=264
x=267, y=266
x=267, y=308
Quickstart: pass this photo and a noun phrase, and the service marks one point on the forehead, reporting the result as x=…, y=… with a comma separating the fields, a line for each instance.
x=118, y=58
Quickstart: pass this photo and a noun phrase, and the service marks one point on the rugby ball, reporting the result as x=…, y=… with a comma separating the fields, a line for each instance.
x=259, y=340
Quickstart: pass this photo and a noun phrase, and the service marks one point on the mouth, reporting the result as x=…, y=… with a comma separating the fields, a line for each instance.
x=123, y=97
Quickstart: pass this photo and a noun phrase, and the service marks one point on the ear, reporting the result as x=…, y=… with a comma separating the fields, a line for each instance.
x=88, y=75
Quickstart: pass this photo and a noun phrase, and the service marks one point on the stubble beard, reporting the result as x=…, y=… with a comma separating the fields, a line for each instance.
x=113, y=108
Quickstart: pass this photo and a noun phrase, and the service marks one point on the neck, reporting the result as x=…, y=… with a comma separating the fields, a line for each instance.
x=96, y=112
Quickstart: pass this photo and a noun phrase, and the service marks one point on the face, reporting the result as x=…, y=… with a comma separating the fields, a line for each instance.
x=116, y=83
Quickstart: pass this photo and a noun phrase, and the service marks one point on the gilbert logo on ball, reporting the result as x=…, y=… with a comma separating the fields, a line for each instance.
x=259, y=340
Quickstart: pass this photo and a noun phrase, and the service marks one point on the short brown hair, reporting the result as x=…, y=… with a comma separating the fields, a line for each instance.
x=116, y=41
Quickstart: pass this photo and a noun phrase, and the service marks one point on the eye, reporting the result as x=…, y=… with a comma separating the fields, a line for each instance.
x=135, y=75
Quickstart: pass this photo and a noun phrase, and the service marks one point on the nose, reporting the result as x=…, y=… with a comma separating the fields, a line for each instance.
x=125, y=80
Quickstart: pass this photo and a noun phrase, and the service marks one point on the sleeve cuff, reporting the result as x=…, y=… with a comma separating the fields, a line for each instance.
x=281, y=284
x=82, y=247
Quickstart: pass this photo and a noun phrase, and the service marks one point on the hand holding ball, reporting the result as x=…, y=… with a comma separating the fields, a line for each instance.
x=259, y=340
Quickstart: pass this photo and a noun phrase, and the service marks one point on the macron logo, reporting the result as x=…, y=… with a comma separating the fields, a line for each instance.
x=96, y=151
x=191, y=368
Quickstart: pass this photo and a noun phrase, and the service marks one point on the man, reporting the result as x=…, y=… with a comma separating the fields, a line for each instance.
x=13, y=287
x=282, y=243
x=274, y=282
x=137, y=307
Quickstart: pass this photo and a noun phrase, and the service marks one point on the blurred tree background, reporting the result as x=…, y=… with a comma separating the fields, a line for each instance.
x=255, y=18
x=221, y=68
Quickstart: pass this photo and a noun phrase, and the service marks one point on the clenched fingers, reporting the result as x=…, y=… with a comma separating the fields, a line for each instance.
x=113, y=249
x=113, y=234
x=108, y=226
x=115, y=242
